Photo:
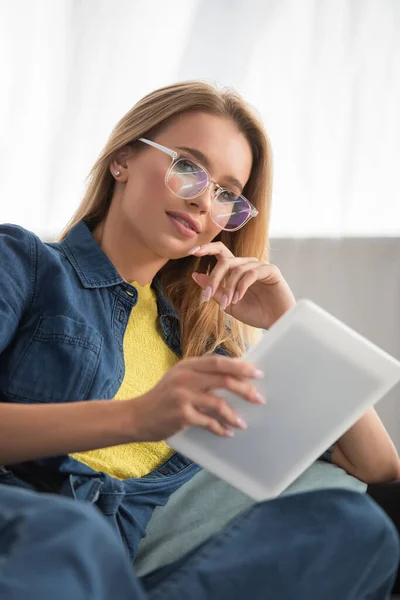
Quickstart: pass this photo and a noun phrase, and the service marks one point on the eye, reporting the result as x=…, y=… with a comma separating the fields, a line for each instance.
x=228, y=196
x=187, y=167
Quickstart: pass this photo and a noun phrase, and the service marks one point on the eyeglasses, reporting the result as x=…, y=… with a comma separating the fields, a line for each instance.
x=188, y=179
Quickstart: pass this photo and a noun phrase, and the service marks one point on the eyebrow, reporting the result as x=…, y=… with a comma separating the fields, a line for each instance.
x=204, y=160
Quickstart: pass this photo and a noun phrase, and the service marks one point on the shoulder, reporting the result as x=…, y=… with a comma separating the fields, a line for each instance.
x=22, y=253
x=18, y=251
x=22, y=244
x=14, y=231
x=16, y=243
x=15, y=236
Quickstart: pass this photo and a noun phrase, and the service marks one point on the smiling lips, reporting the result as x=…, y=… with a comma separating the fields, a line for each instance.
x=184, y=223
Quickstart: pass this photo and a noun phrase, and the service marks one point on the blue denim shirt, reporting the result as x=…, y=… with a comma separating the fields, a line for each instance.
x=63, y=313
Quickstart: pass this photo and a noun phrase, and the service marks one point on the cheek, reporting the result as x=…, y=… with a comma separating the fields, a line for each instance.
x=153, y=185
x=146, y=192
x=155, y=193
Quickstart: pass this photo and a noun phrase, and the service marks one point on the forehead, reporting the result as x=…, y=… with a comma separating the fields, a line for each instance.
x=218, y=138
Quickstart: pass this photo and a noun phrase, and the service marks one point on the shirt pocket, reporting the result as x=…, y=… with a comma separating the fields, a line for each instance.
x=59, y=363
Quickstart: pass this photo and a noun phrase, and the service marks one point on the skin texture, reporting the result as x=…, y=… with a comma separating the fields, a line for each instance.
x=137, y=234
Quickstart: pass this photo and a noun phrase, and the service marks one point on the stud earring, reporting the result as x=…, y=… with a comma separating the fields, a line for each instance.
x=116, y=173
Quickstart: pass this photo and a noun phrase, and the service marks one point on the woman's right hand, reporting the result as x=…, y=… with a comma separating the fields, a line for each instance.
x=184, y=397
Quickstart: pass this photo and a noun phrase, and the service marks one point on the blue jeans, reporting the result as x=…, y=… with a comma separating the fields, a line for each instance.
x=331, y=544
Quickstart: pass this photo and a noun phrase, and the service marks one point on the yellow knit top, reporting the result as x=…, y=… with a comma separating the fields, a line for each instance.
x=147, y=358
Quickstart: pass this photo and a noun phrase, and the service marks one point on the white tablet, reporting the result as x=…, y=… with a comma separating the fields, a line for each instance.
x=321, y=377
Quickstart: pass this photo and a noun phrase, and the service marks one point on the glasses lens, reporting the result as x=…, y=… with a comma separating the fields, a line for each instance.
x=186, y=179
x=230, y=210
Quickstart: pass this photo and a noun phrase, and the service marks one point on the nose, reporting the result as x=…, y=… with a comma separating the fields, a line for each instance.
x=204, y=201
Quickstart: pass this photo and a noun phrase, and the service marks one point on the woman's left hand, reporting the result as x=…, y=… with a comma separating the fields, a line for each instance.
x=252, y=291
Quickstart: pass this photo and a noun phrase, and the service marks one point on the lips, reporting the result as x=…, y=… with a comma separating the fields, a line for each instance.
x=186, y=219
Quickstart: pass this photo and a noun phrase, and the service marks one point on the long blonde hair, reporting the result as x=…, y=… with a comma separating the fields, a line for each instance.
x=203, y=325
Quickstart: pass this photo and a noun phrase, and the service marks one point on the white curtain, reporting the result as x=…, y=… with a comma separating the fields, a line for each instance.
x=324, y=75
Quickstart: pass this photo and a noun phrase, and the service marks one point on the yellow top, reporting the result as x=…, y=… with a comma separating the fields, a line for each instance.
x=147, y=358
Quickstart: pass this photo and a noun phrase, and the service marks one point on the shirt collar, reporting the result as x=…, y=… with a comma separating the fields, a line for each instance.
x=94, y=268
x=92, y=265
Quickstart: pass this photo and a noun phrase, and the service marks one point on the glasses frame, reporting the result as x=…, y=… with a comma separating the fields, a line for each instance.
x=175, y=156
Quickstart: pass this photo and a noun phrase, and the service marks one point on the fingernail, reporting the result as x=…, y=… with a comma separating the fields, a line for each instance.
x=260, y=398
x=193, y=250
x=224, y=302
x=194, y=276
x=241, y=422
x=235, y=297
x=258, y=374
x=207, y=293
x=229, y=433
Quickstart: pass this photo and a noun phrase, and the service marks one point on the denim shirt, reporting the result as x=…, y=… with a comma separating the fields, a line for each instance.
x=63, y=313
x=64, y=310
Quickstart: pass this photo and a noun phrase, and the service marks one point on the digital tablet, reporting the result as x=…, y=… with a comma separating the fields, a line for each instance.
x=320, y=378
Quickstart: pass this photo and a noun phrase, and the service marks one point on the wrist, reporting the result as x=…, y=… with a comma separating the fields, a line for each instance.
x=277, y=316
x=123, y=421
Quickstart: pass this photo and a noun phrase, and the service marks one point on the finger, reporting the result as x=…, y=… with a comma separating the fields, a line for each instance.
x=202, y=281
x=245, y=282
x=221, y=365
x=235, y=276
x=265, y=272
x=241, y=387
x=195, y=418
x=212, y=249
x=221, y=270
x=212, y=284
x=218, y=408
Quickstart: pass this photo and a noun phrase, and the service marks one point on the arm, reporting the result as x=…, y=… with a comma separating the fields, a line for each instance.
x=35, y=431
x=367, y=452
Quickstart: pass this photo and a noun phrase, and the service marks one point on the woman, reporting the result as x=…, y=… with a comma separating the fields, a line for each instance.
x=165, y=259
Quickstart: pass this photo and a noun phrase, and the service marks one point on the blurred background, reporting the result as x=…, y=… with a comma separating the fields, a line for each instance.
x=324, y=76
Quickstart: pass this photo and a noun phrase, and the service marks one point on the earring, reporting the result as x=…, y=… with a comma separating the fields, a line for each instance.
x=116, y=173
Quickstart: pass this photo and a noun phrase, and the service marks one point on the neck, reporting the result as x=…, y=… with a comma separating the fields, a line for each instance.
x=133, y=260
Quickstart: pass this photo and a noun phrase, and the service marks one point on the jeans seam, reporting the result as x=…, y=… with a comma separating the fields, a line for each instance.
x=163, y=478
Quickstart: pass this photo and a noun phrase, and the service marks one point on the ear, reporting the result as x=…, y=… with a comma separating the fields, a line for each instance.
x=119, y=163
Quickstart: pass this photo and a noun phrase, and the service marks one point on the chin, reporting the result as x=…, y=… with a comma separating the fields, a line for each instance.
x=172, y=249
x=175, y=254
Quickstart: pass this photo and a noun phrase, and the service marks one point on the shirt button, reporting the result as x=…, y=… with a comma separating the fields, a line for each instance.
x=121, y=316
x=163, y=471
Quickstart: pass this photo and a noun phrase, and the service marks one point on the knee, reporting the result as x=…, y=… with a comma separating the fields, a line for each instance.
x=75, y=524
x=356, y=520
x=358, y=513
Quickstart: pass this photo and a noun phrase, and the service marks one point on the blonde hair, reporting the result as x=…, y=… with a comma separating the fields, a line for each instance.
x=203, y=325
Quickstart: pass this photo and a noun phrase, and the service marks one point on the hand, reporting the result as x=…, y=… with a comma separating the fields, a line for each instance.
x=184, y=398
x=252, y=291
